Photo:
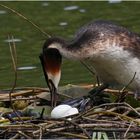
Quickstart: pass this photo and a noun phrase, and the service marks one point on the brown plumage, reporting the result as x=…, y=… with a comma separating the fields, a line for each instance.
x=112, y=51
x=52, y=61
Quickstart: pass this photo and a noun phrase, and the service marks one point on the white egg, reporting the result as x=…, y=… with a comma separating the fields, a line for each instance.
x=61, y=111
x=71, y=111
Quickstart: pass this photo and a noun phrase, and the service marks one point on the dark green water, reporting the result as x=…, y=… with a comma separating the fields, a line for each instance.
x=55, y=20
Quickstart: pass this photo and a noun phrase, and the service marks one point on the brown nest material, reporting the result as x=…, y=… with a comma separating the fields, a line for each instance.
x=106, y=121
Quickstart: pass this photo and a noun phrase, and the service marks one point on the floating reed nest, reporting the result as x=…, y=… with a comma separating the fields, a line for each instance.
x=105, y=121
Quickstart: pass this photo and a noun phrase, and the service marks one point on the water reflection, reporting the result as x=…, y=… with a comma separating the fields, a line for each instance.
x=27, y=68
x=12, y=40
x=2, y=12
x=63, y=23
x=82, y=10
x=70, y=8
x=45, y=4
x=114, y=1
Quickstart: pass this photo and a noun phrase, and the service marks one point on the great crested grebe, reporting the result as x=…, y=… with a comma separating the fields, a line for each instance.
x=112, y=50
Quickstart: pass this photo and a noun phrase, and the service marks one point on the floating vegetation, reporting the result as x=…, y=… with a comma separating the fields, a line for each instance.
x=70, y=8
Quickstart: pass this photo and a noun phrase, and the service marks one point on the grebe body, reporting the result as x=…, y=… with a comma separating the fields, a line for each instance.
x=112, y=50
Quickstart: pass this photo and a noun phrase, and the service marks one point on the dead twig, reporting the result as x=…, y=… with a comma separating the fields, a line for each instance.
x=93, y=125
x=15, y=119
x=119, y=123
x=128, y=129
x=15, y=137
x=124, y=117
x=14, y=62
x=72, y=135
x=125, y=87
x=77, y=125
x=133, y=109
x=114, y=91
x=25, y=135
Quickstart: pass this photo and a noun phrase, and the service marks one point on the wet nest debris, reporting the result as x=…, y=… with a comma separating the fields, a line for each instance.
x=104, y=121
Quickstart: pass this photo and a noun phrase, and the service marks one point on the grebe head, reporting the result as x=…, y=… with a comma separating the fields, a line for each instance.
x=51, y=60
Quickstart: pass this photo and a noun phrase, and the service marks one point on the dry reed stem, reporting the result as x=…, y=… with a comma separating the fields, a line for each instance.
x=14, y=62
x=129, y=83
x=128, y=129
x=23, y=134
x=72, y=134
x=15, y=119
x=98, y=120
x=124, y=117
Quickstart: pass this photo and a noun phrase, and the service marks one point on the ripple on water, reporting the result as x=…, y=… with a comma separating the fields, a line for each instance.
x=82, y=10
x=70, y=8
x=114, y=1
x=27, y=68
x=12, y=40
x=2, y=12
x=45, y=4
x=63, y=23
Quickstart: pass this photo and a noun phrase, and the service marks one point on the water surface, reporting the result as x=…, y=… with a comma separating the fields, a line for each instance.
x=52, y=17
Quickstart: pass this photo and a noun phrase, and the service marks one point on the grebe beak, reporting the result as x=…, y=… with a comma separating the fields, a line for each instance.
x=53, y=92
x=51, y=63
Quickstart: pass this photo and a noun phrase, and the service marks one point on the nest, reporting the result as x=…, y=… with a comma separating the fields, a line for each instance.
x=105, y=121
